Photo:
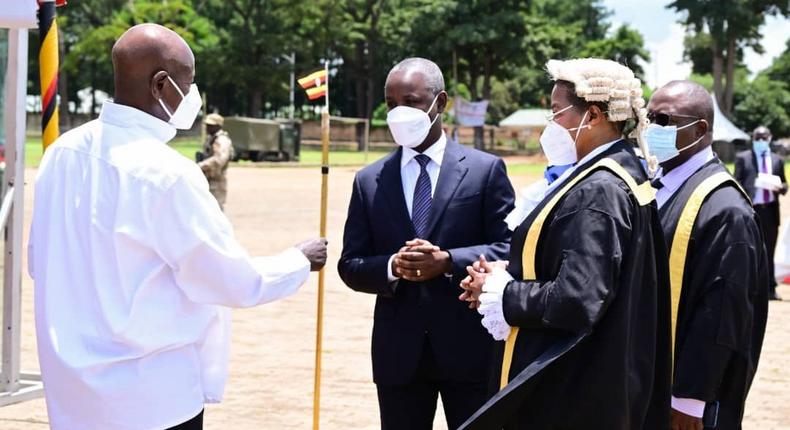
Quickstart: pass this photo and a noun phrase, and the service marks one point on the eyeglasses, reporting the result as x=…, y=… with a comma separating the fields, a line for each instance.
x=664, y=119
x=550, y=116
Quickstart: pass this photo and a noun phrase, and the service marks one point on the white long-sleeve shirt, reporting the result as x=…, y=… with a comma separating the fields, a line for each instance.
x=133, y=264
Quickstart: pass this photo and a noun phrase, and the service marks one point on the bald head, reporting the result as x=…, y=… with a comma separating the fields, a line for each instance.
x=143, y=58
x=687, y=98
x=762, y=133
x=688, y=106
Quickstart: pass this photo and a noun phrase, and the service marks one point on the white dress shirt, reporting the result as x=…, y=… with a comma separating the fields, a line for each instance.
x=133, y=263
x=764, y=165
x=494, y=286
x=410, y=171
x=675, y=178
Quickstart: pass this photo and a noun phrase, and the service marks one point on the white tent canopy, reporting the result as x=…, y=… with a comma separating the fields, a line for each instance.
x=723, y=129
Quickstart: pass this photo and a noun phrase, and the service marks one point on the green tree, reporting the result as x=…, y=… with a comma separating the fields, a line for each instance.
x=697, y=50
x=731, y=24
x=486, y=37
x=92, y=48
x=625, y=45
x=79, y=71
x=764, y=102
x=780, y=69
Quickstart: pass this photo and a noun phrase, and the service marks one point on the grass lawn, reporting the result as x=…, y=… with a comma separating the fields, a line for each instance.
x=187, y=147
x=308, y=157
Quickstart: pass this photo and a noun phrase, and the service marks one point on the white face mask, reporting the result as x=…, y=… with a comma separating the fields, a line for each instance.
x=186, y=112
x=410, y=126
x=558, y=145
x=556, y=141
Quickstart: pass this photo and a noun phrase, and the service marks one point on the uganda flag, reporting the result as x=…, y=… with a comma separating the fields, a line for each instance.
x=315, y=84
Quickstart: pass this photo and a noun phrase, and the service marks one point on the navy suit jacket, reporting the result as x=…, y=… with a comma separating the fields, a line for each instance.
x=747, y=168
x=472, y=198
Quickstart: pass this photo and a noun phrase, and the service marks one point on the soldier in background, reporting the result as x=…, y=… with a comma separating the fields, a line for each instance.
x=216, y=156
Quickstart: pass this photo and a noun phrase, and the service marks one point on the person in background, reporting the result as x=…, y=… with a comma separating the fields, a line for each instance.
x=717, y=258
x=761, y=173
x=216, y=156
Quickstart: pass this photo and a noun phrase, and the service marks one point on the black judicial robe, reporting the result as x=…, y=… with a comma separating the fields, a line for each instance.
x=724, y=300
x=593, y=347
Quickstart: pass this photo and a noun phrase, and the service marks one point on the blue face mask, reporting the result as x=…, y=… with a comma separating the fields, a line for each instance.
x=761, y=146
x=662, y=140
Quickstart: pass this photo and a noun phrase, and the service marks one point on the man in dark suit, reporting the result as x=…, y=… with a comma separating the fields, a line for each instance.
x=762, y=174
x=416, y=219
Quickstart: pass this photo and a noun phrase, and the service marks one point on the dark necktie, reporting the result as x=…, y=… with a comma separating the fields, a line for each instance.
x=766, y=193
x=421, y=204
x=657, y=184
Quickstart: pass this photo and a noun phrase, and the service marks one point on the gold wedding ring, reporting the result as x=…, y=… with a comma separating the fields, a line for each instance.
x=419, y=273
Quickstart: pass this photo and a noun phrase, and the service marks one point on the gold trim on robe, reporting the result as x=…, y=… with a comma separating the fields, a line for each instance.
x=644, y=194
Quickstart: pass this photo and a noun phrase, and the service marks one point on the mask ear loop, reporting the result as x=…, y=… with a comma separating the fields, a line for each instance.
x=580, y=127
x=181, y=93
x=430, y=108
x=696, y=141
x=162, y=103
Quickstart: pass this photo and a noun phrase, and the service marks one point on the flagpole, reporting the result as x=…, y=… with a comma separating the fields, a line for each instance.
x=320, y=311
x=48, y=71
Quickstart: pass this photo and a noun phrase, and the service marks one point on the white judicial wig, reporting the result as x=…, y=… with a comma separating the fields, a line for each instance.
x=598, y=80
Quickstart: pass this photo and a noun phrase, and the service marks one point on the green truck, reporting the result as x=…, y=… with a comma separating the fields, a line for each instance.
x=258, y=139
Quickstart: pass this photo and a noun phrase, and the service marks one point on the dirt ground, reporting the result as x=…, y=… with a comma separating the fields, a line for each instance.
x=271, y=376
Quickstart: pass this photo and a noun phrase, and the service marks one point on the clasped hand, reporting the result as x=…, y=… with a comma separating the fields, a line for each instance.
x=420, y=260
x=473, y=284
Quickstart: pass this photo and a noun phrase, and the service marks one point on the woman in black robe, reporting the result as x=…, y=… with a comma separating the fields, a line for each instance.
x=584, y=304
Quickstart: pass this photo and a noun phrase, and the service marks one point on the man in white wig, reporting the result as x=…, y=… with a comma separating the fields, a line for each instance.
x=583, y=306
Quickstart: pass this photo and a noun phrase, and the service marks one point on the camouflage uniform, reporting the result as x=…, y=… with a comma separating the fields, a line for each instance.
x=218, y=152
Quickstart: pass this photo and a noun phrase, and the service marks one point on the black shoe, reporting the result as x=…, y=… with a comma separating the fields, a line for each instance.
x=773, y=295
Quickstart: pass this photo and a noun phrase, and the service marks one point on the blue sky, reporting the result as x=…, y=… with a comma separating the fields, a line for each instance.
x=664, y=38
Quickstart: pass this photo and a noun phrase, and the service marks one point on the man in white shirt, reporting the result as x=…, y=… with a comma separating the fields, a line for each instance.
x=133, y=261
x=720, y=285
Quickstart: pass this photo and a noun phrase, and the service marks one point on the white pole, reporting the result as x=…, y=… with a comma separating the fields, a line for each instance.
x=15, y=183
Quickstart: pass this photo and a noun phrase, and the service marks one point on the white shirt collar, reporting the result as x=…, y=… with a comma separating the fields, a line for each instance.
x=128, y=117
x=435, y=152
x=676, y=177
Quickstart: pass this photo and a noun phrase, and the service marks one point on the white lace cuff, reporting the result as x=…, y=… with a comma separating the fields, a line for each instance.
x=491, y=304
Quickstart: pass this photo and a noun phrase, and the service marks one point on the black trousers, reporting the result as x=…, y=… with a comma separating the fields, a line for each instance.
x=413, y=406
x=768, y=215
x=195, y=423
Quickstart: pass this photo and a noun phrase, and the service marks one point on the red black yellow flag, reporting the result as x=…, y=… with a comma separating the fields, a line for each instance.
x=315, y=84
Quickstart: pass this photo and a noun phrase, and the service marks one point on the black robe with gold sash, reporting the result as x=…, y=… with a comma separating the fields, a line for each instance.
x=723, y=303
x=593, y=345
